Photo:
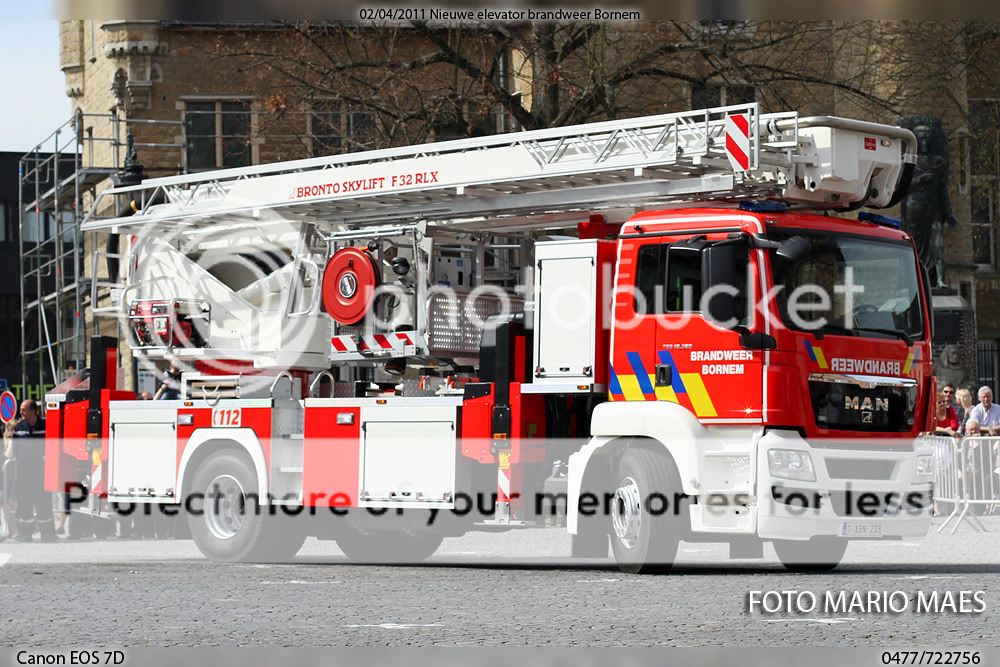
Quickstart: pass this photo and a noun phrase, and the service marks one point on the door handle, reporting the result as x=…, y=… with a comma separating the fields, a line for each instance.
x=664, y=375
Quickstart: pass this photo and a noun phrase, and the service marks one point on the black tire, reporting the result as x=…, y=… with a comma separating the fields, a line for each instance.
x=645, y=525
x=228, y=524
x=820, y=554
x=387, y=547
x=592, y=544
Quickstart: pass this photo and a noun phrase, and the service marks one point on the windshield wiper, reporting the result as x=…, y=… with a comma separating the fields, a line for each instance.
x=889, y=332
x=838, y=330
x=834, y=329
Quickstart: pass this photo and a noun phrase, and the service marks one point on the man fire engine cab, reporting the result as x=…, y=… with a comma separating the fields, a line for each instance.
x=782, y=417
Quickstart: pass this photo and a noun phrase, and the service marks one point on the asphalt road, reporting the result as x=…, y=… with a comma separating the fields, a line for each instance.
x=482, y=589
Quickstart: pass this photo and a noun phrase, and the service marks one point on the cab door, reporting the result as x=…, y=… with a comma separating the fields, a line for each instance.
x=714, y=371
x=670, y=351
x=638, y=290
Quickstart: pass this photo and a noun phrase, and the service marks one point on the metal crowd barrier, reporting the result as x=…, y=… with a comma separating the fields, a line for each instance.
x=8, y=469
x=966, y=478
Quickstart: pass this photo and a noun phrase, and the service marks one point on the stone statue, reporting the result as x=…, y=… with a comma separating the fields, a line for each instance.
x=131, y=172
x=927, y=206
x=948, y=367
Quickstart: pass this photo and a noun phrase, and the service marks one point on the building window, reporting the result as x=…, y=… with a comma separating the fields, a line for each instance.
x=984, y=167
x=709, y=95
x=217, y=134
x=984, y=116
x=37, y=227
x=334, y=129
x=984, y=209
x=10, y=319
x=988, y=363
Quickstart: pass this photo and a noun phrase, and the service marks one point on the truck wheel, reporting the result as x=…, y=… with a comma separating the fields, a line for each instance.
x=387, y=547
x=820, y=554
x=645, y=525
x=589, y=545
x=229, y=524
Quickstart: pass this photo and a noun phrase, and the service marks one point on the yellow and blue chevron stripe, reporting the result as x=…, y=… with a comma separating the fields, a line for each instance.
x=686, y=389
x=914, y=355
x=816, y=354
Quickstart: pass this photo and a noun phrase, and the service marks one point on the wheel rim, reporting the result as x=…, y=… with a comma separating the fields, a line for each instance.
x=626, y=514
x=225, y=507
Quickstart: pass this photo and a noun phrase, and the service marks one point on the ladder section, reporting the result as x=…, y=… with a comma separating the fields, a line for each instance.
x=584, y=167
x=727, y=153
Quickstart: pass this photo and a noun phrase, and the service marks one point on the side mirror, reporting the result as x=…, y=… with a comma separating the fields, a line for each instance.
x=794, y=249
x=722, y=275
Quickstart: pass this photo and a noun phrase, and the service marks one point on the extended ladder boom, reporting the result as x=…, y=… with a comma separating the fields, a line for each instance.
x=723, y=153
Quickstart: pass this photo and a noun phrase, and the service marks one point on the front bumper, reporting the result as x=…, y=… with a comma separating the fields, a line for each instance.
x=860, y=491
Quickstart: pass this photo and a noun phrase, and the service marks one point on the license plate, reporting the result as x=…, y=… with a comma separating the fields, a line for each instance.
x=861, y=529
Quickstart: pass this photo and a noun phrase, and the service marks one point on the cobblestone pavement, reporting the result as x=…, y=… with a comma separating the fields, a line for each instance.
x=493, y=589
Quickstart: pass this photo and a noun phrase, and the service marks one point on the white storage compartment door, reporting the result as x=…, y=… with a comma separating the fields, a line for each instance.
x=143, y=459
x=565, y=315
x=408, y=459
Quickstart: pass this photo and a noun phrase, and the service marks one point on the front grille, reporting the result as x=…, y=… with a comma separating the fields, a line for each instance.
x=860, y=469
x=841, y=403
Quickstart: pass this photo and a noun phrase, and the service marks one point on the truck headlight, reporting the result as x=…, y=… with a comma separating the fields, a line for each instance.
x=925, y=469
x=791, y=464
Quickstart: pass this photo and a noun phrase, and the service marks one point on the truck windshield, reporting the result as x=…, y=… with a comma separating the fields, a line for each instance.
x=848, y=285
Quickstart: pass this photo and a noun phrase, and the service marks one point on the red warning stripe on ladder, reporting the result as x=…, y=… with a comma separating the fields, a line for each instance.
x=738, y=141
x=368, y=343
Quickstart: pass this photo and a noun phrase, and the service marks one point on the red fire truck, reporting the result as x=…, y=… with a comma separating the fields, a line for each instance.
x=685, y=326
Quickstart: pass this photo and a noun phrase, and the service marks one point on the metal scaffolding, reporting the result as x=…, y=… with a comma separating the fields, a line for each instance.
x=55, y=179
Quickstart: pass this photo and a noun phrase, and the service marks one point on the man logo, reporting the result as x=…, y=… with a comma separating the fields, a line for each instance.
x=866, y=404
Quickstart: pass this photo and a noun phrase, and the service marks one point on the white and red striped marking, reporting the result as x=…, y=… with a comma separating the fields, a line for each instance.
x=97, y=479
x=503, y=485
x=502, y=512
x=369, y=343
x=738, y=141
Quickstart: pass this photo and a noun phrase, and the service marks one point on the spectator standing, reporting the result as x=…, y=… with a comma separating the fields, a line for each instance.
x=945, y=419
x=963, y=400
x=987, y=413
x=949, y=394
x=34, y=505
x=170, y=389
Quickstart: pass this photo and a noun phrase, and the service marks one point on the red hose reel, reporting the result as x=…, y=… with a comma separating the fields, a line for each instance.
x=349, y=282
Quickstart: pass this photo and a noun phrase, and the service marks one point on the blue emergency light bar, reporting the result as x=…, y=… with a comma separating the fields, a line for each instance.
x=885, y=221
x=766, y=206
